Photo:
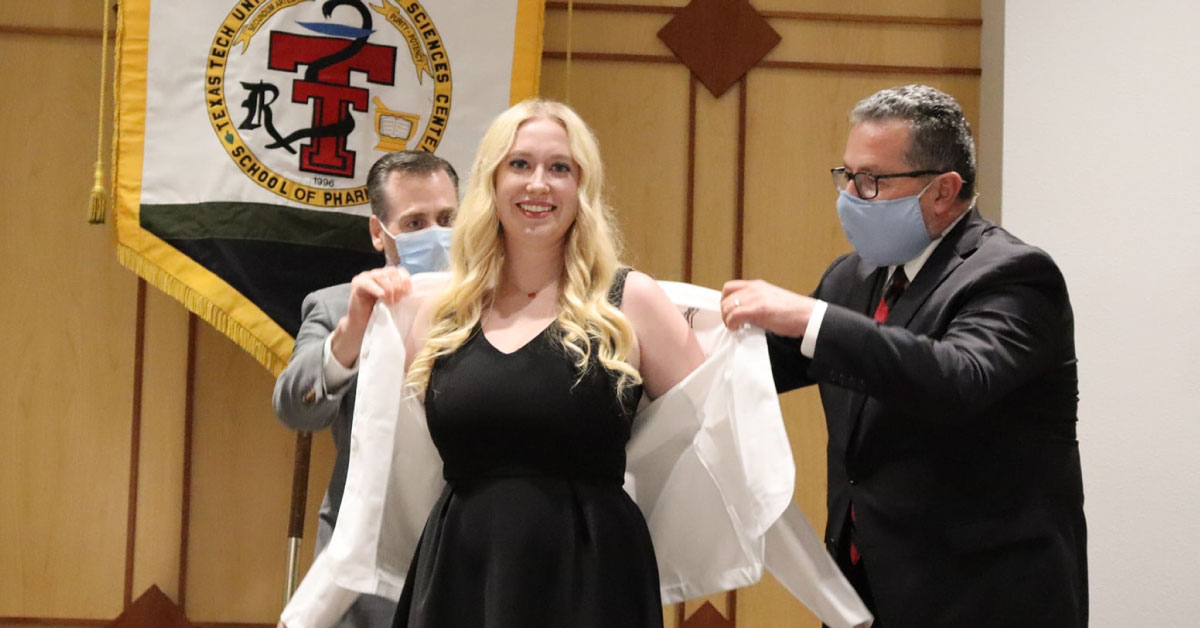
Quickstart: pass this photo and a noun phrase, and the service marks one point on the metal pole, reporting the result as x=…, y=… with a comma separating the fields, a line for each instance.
x=296, y=517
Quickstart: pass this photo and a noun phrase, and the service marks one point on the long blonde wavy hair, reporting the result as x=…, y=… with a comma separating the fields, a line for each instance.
x=590, y=326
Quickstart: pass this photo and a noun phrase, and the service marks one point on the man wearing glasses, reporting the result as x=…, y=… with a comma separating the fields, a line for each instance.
x=943, y=347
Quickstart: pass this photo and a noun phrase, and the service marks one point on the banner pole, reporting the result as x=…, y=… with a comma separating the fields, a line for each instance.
x=296, y=517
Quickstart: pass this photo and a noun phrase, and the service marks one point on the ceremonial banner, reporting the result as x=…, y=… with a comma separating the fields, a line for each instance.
x=246, y=128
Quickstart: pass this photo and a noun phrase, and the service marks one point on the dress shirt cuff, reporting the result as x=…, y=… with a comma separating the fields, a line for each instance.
x=808, y=344
x=336, y=375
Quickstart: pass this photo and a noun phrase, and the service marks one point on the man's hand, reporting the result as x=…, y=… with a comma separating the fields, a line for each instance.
x=388, y=284
x=765, y=305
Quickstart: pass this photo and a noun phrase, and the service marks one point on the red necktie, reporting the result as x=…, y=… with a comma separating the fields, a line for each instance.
x=896, y=286
x=854, y=555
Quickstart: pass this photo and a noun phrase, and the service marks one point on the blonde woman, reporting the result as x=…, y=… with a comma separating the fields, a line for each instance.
x=522, y=372
x=531, y=365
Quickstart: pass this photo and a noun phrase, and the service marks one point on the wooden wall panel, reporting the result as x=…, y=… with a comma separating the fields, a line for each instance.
x=946, y=10
x=240, y=489
x=646, y=179
x=715, y=202
x=632, y=4
x=160, y=473
x=924, y=45
x=923, y=8
x=57, y=14
x=612, y=32
x=67, y=343
x=835, y=37
x=319, y=471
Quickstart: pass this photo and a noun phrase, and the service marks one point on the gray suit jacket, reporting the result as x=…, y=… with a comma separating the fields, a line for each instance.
x=302, y=402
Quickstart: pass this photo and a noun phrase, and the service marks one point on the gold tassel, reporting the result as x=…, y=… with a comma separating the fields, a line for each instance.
x=98, y=203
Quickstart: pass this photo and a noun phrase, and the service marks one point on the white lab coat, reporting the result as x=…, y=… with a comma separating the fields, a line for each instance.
x=708, y=464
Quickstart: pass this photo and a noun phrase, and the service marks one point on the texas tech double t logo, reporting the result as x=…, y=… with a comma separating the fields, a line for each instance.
x=294, y=108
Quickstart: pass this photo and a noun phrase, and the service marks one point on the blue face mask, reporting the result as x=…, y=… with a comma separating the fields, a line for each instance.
x=427, y=250
x=884, y=233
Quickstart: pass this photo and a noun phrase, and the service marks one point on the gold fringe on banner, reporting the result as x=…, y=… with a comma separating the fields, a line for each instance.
x=113, y=163
x=98, y=203
x=200, y=306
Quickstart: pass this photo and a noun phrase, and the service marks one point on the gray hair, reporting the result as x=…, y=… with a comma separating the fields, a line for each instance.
x=941, y=135
x=404, y=162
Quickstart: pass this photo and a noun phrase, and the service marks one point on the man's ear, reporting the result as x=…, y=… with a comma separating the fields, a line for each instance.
x=940, y=205
x=377, y=235
x=945, y=197
x=948, y=186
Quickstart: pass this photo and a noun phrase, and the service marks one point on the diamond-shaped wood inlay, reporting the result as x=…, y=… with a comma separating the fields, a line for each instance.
x=719, y=40
x=152, y=610
x=707, y=616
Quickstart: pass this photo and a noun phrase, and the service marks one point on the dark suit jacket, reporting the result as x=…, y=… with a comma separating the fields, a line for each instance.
x=952, y=431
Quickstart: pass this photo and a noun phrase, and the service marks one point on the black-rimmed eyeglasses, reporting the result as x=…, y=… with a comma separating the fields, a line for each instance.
x=867, y=184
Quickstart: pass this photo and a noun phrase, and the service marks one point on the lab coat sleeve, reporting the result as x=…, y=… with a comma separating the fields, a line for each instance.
x=711, y=468
x=385, y=491
x=798, y=560
x=318, y=602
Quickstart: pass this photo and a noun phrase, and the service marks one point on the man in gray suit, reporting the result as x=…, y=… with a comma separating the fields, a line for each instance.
x=413, y=195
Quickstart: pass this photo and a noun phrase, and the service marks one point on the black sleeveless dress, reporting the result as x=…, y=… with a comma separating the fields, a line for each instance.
x=533, y=528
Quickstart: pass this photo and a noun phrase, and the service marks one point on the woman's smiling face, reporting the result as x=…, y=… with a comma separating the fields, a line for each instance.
x=537, y=183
